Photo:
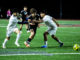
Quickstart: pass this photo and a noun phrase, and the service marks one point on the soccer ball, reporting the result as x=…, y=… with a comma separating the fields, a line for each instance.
x=76, y=47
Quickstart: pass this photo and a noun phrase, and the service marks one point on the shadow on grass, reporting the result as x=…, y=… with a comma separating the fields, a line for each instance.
x=50, y=47
x=59, y=47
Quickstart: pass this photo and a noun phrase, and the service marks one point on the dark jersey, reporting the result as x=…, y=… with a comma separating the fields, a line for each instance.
x=34, y=18
x=24, y=14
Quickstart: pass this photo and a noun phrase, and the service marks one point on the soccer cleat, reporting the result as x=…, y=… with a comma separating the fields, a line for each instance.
x=26, y=44
x=61, y=44
x=45, y=46
x=3, y=46
x=17, y=44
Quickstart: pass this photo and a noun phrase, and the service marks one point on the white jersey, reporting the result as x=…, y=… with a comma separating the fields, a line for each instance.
x=12, y=22
x=49, y=22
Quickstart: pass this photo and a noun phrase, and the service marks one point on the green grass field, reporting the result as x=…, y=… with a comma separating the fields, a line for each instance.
x=68, y=35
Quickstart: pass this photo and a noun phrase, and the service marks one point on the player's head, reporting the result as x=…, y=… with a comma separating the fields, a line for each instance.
x=33, y=11
x=25, y=8
x=43, y=13
x=14, y=12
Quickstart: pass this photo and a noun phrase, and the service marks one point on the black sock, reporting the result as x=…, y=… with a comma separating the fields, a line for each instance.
x=27, y=29
x=20, y=29
x=28, y=40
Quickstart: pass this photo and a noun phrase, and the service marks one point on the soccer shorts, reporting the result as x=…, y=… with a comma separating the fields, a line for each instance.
x=10, y=31
x=52, y=31
x=34, y=27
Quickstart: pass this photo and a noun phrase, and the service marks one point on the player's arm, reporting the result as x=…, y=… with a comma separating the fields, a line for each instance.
x=37, y=21
x=30, y=22
x=21, y=13
x=55, y=21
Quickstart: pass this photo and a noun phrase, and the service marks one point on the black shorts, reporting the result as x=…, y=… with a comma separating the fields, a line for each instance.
x=23, y=22
x=34, y=27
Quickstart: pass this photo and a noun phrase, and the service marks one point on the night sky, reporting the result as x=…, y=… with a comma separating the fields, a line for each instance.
x=70, y=8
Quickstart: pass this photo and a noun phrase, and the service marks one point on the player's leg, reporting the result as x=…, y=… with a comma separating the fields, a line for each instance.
x=21, y=27
x=27, y=28
x=52, y=32
x=9, y=31
x=5, y=41
x=18, y=36
x=45, y=39
x=55, y=38
x=27, y=43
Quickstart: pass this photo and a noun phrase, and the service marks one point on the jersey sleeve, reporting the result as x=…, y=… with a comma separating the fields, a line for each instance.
x=21, y=12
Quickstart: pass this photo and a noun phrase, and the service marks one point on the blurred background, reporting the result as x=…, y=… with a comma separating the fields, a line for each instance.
x=60, y=9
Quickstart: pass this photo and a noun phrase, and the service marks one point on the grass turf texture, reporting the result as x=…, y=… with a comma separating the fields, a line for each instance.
x=68, y=35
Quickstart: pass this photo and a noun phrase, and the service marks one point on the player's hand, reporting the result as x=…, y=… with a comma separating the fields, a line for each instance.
x=29, y=20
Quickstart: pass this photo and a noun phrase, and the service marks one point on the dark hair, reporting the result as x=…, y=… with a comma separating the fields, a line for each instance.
x=33, y=10
x=44, y=11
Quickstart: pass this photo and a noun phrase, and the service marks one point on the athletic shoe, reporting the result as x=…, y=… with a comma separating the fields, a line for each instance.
x=44, y=46
x=26, y=44
x=17, y=44
x=61, y=44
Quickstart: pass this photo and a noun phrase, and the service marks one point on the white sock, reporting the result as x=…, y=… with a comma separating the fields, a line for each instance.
x=45, y=42
x=5, y=41
x=18, y=36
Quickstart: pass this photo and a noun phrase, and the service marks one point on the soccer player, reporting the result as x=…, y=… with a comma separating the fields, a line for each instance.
x=12, y=27
x=24, y=15
x=33, y=26
x=52, y=28
x=8, y=13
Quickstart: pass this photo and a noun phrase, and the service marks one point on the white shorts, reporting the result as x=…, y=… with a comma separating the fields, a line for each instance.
x=9, y=31
x=52, y=31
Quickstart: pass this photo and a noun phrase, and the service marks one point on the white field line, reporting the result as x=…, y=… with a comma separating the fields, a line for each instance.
x=49, y=54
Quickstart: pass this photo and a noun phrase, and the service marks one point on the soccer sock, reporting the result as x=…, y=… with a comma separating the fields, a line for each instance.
x=28, y=40
x=18, y=36
x=5, y=41
x=57, y=39
x=21, y=29
x=45, y=42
